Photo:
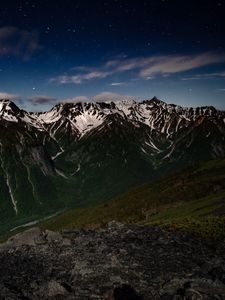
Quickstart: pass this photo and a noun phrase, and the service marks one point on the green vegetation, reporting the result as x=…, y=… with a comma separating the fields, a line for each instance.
x=192, y=200
x=211, y=227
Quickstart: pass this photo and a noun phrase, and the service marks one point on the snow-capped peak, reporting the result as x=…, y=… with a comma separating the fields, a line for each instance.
x=11, y=113
x=8, y=110
x=83, y=117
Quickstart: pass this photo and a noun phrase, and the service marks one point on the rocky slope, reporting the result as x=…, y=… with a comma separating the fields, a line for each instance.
x=79, y=154
x=114, y=262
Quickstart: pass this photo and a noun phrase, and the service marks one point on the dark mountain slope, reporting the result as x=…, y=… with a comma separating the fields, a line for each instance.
x=195, y=193
x=79, y=154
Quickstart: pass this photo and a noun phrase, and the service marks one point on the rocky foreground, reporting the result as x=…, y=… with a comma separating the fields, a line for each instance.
x=116, y=262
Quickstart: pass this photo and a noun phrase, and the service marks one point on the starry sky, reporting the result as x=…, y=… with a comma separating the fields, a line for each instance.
x=67, y=50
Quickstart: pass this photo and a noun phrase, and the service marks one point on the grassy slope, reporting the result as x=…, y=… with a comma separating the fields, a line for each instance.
x=193, y=199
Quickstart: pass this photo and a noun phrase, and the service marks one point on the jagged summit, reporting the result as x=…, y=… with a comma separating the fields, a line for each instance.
x=10, y=112
x=8, y=105
x=155, y=101
x=82, y=117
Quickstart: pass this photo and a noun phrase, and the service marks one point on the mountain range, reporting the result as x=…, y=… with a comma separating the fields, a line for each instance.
x=79, y=154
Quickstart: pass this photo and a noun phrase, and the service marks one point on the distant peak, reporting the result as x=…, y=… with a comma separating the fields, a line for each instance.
x=5, y=101
x=6, y=104
x=126, y=102
x=154, y=100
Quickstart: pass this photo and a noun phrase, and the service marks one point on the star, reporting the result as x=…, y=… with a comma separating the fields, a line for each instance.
x=47, y=29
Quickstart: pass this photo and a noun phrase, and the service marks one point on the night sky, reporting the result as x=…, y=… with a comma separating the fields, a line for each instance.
x=69, y=50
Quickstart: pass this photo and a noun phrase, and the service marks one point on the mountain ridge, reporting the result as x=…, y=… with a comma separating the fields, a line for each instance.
x=127, y=107
x=79, y=154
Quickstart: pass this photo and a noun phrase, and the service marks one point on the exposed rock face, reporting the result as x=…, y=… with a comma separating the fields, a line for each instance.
x=116, y=262
x=58, y=158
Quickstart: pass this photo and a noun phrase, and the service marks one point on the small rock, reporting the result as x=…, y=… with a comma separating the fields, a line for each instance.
x=115, y=225
x=116, y=279
x=66, y=242
x=52, y=236
x=55, y=289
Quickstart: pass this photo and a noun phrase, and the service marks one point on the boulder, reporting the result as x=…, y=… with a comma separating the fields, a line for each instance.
x=30, y=237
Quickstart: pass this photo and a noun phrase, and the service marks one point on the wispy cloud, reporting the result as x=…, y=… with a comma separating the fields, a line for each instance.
x=42, y=100
x=76, y=99
x=101, y=97
x=117, y=83
x=108, y=97
x=77, y=79
x=50, y=100
x=205, y=76
x=17, y=42
x=166, y=65
x=34, y=100
x=12, y=97
x=143, y=67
